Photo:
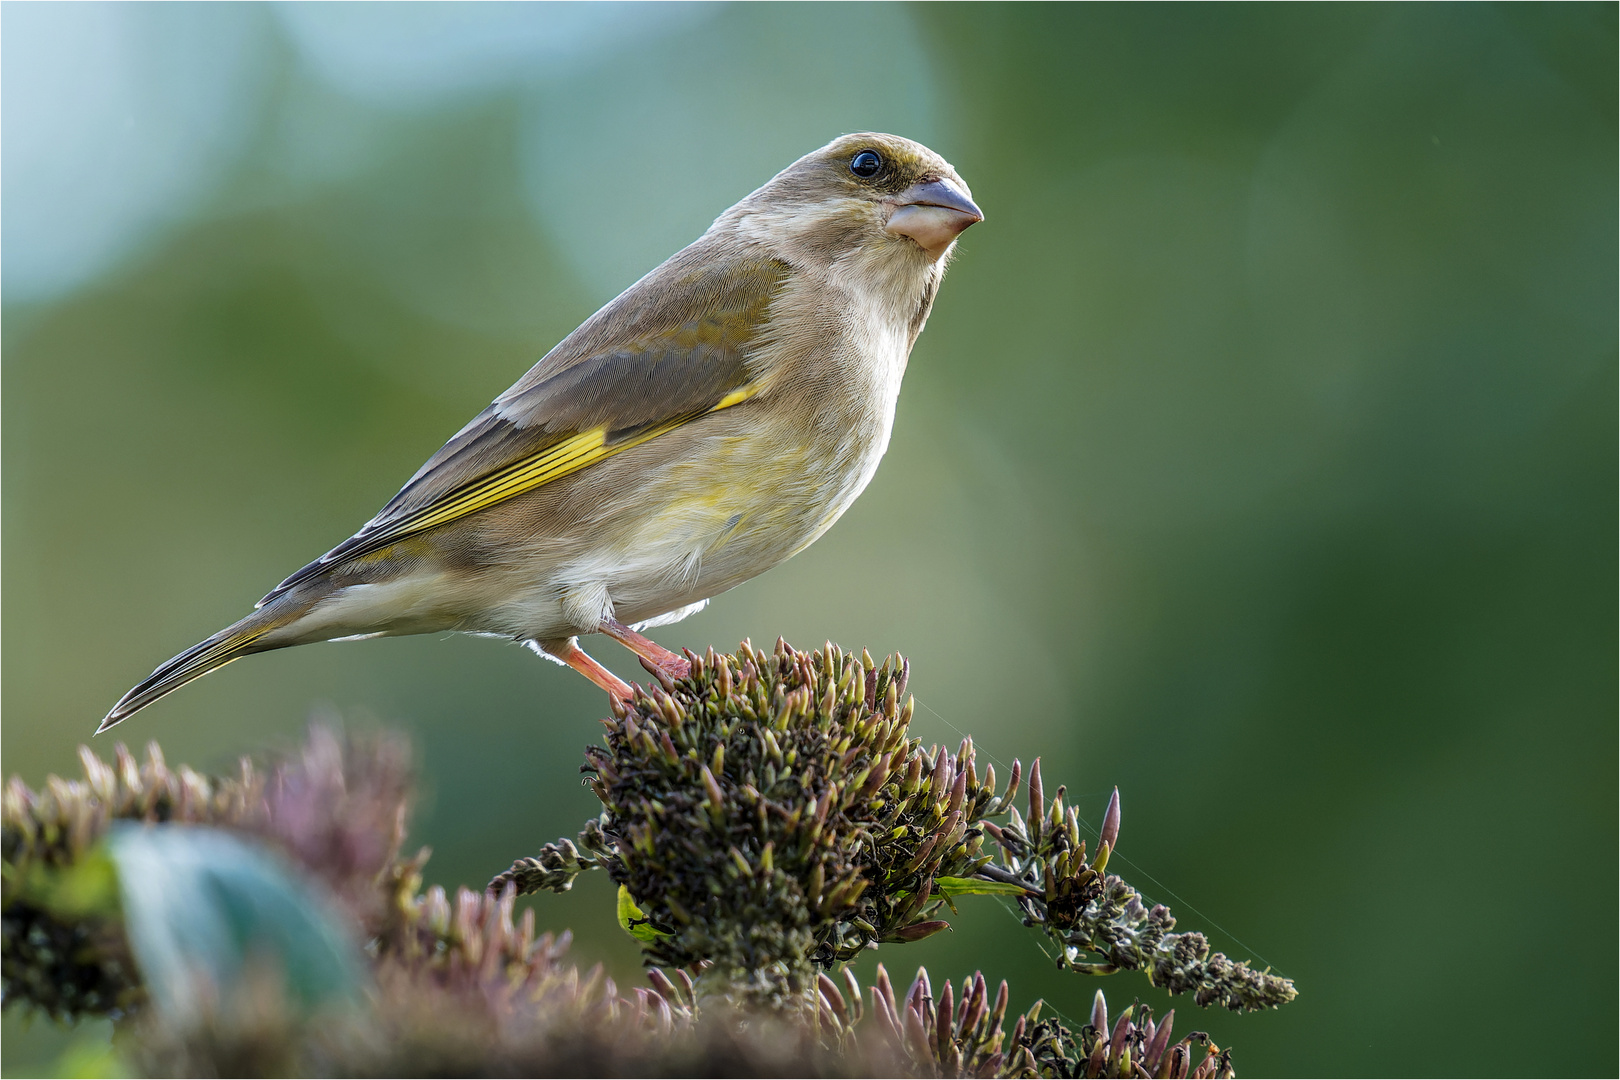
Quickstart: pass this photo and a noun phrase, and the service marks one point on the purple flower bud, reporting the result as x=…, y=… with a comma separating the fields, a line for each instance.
x=1110, y=825
x=942, y=773
x=920, y=991
x=1159, y=1042
x=1120, y=1040
x=661, y=983
x=916, y=1035
x=834, y=999
x=1037, y=799
x=853, y=986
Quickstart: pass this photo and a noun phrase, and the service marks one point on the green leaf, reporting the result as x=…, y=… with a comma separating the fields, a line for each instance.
x=203, y=905
x=634, y=921
x=88, y=888
x=90, y=1058
x=961, y=886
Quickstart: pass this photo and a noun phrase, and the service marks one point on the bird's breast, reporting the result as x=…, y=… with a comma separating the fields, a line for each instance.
x=706, y=507
x=828, y=425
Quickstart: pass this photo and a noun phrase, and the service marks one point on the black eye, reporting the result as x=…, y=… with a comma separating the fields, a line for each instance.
x=867, y=164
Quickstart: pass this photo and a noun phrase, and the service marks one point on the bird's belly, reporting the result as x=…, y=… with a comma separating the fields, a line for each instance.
x=731, y=514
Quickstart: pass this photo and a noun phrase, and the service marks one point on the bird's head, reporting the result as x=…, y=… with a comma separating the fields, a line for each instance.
x=862, y=199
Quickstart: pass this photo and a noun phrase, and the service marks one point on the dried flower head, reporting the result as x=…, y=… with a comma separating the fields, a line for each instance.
x=769, y=815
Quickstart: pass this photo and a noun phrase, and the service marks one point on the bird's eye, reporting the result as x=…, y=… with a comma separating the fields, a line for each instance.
x=866, y=164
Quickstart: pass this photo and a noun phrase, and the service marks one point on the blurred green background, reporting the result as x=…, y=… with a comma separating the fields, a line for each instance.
x=1259, y=457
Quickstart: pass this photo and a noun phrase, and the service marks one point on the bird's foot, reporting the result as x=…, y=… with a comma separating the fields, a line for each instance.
x=654, y=657
x=667, y=671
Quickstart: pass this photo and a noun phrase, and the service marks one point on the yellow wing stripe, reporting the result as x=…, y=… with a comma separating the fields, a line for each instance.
x=736, y=397
x=555, y=462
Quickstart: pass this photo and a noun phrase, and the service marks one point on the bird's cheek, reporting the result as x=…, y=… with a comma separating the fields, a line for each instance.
x=933, y=227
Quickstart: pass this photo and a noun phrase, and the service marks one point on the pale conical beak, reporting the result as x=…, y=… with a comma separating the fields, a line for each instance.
x=933, y=214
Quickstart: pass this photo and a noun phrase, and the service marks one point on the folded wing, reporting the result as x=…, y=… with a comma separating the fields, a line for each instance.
x=669, y=350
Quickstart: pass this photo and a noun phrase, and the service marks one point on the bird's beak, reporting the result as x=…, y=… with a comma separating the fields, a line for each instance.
x=933, y=214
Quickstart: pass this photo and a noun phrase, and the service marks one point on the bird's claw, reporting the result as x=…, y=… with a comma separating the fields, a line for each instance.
x=669, y=669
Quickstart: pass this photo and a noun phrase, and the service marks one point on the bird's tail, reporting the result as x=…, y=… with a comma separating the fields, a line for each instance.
x=250, y=635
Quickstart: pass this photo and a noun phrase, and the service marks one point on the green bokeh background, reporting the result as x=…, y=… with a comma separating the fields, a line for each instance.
x=1259, y=457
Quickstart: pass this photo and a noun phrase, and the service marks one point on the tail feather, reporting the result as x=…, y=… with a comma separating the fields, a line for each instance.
x=235, y=641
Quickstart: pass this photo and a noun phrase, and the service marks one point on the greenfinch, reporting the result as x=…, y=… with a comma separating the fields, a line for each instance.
x=710, y=422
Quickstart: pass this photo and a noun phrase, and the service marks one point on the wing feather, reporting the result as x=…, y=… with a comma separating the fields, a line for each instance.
x=667, y=351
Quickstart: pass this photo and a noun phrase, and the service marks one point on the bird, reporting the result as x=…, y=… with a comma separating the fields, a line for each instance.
x=708, y=423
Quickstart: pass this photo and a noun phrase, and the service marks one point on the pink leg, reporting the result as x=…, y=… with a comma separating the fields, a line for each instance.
x=652, y=654
x=569, y=652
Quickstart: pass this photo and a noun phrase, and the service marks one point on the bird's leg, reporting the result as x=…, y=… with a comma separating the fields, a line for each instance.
x=568, y=652
x=654, y=657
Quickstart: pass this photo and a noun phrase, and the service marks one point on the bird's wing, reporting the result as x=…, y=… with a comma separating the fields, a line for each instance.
x=666, y=352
